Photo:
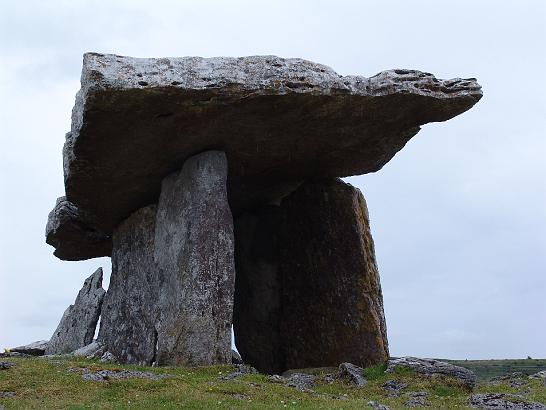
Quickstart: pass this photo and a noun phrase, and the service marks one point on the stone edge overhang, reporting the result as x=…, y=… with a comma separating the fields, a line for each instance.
x=237, y=77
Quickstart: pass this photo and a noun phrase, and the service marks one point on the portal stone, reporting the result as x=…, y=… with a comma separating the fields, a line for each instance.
x=194, y=254
x=307, y=286
x=257, y=312
x=332, y=305
x=77, y=326
x=129, y=315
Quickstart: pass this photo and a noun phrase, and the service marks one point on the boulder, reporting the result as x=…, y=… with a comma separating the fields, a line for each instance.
x=279, y=121
x=434, y=368
x=33, y=349
x=93, y=350
x=194, y=254
x=77, y=326
x=130, y=312
x=332, y=305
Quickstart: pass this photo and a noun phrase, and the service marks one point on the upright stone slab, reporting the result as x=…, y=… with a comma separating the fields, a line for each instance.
x=331, y=294
x=193, y=250
x=77, y=326
x=130, y=311
x=257, y=312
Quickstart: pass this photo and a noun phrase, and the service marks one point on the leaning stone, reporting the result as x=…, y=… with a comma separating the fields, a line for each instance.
x=93, y=350
x=492, y=401
x=353, y=374
x=77, y=326
x=33, y=349
x=130, y=312
x=281, y=120
x=332, y=305
x=194, y=253
x=434, y=368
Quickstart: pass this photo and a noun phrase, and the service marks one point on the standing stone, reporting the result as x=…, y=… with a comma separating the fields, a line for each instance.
x=77, y=326
x=257, y=312
x=194, y=252
x=129, y=315
x=331, y=294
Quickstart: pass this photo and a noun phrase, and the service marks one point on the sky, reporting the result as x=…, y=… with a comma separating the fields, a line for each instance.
x=458, y=216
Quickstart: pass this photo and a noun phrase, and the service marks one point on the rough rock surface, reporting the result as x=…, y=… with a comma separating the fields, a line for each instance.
x=377, y=406
x=257, y=312
x=72, y=233
x=490, y=401
x=538, y=375
x=278, y=120
x=77, y=326
x=332, y=305
x=6, y=365
x=353, y=374
x=106, y=375
x=416, y=398
x=194, y=253
x=434, y=368
x=394, y=387
x=307, y=284
x=33, y=349
x=129, y=315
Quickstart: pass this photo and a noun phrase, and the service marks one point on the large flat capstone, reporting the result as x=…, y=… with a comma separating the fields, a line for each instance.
x=279, y=121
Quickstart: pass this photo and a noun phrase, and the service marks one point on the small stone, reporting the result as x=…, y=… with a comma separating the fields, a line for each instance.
x=106, y=375
x=236, y=357
x=77, y=326
x=434, y=368
x=394, y=387
x=507, y=376
x=108, y=357
x=33, y=349
x=352, y=373
x=6, y=365
x=377, y=406
x=539, y=375
x=301, y=381
x=7, y=394
x=492, y=401
x=416, y=399
x=92, y=351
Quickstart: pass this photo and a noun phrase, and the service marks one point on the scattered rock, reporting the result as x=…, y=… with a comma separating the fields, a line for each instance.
x=539, y=375
x=329, y=378
x=236, y=357
x=108, y=357
x=301, y=381
x=377, y=406
x=6, y=365
x=106, y=375
x=94, y=350
x=394, y=387
x=242, y=369
x=33, y=349
x=434, y=368
x=502, y=401
x=352, y=373
x=77, y=326
x=7, y=394
x=508, y=376
x=516, y=384
x=416, y=398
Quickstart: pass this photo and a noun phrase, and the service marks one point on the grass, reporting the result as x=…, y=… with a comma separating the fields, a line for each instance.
x=48, y=383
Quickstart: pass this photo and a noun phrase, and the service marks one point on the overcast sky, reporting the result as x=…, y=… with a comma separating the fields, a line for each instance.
x=458, y=216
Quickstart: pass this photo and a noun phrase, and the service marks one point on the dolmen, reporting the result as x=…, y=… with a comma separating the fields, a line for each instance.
x=214, y=185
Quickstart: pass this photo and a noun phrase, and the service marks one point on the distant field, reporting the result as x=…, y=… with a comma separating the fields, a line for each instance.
x=486, y=369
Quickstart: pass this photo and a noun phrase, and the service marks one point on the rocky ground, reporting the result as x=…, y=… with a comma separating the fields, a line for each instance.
x=72, y=382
